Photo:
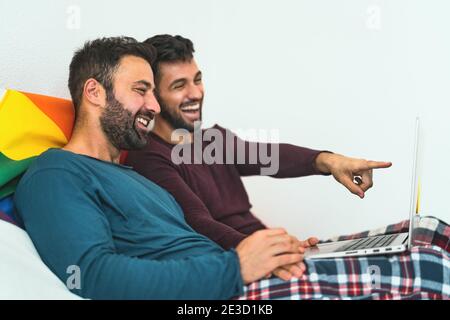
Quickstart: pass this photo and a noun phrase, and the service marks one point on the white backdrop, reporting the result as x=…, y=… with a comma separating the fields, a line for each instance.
x=347, y=76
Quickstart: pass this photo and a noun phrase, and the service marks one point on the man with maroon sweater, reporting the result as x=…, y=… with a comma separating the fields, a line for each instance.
x=212, y=195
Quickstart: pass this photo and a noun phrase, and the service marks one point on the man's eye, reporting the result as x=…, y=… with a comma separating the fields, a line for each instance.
x=198, y=80
x=140, y=91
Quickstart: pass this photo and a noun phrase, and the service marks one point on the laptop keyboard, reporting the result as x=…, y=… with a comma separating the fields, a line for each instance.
x=372, y=242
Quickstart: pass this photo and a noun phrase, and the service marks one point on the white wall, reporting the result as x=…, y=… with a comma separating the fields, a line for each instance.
x=347, y=76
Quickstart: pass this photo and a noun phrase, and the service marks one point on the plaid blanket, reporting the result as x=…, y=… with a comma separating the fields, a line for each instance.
x=423, y=272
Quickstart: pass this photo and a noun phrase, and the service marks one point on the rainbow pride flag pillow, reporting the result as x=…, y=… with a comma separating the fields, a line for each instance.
x=29, y=125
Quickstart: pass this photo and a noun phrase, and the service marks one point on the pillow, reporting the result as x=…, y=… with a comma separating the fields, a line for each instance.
x=29, y=125
x=23, y=275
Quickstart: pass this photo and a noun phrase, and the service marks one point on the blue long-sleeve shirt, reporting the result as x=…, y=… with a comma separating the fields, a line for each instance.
x=127, y=235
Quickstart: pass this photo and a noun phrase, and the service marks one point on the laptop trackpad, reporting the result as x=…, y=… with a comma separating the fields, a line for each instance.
x=327, y=247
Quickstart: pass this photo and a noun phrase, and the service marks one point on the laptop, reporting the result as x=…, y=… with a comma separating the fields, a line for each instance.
x=376, y=245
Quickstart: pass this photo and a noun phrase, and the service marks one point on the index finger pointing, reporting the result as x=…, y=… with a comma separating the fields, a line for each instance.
x=378, y=164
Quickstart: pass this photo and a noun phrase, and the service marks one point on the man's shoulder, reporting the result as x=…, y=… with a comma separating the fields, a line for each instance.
x=48, y=159
x=225, y=132
x=219, y=127
x=159, y=151
x=53, y=162
x=45, y=171
x=155, y=150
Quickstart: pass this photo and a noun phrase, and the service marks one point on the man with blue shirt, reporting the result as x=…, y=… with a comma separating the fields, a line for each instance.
x=127, y=235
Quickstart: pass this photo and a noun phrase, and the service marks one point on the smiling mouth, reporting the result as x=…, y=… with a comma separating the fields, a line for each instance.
x=143, y=121
x=191, y=112
x=191, y=108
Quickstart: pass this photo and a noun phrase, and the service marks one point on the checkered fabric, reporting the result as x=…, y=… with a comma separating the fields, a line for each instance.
x=423, y=272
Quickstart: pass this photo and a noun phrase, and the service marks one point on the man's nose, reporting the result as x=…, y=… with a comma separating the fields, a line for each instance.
x=151, y=103
x=195, y=92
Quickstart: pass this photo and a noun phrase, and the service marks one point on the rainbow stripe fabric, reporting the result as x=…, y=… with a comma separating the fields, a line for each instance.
x=29, y=125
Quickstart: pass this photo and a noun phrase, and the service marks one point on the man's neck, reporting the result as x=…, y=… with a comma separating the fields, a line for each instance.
x=164, y=130
x=92, y=142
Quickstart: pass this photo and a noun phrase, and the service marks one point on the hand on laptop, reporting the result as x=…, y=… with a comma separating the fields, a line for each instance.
x=296, y=269
x=345, y=169
x=265, y=251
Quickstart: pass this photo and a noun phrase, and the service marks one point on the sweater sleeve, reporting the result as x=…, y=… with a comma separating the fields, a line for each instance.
x=162, y=172
x=276, y=160
x=63, y=216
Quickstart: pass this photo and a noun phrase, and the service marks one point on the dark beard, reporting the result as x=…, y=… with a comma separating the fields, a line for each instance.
x=118, y=124
x=174, y=118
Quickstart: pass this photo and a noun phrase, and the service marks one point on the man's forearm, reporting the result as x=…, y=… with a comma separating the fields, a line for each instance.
x=114, y=276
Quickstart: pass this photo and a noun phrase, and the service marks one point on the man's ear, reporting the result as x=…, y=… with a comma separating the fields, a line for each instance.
x=94, y=92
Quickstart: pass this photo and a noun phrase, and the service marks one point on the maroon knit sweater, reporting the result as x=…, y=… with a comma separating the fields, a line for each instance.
x=212, y=196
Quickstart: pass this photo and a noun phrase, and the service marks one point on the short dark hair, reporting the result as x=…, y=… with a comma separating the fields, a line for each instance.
x=170, y=49
x=99, y=59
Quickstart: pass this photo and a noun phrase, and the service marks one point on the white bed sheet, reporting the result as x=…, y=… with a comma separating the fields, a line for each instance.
x=23, y=275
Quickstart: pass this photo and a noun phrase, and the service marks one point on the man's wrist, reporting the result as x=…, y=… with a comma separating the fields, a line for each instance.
x=322, y=162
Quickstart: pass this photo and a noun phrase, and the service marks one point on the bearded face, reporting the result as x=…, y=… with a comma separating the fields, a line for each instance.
x=123, y=129
x=184, y=116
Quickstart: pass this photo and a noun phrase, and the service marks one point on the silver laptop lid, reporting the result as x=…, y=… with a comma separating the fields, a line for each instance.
x=414, y=186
